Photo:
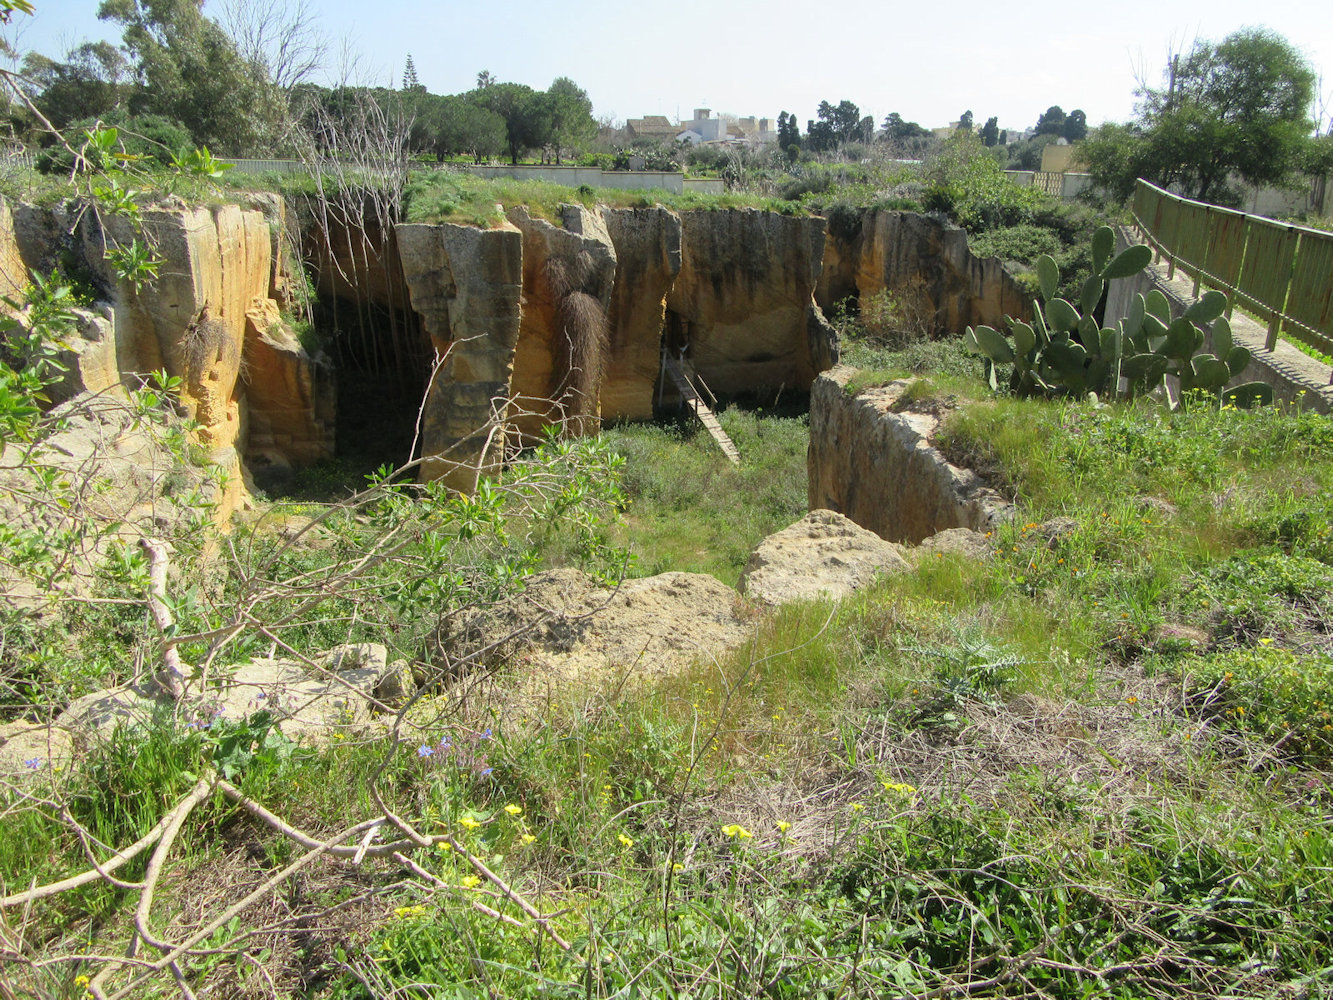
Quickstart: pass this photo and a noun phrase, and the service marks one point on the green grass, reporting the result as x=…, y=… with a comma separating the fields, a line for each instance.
x=691, y=510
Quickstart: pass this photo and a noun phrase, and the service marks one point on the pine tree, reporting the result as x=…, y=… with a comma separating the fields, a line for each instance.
x=410, y=81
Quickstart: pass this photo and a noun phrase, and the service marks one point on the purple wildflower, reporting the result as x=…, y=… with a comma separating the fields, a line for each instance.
x=34, y=763
x=425, y=751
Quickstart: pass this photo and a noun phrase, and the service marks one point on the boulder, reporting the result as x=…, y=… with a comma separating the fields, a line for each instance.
x=957, y=541
x=336, y=689
x=31, y=750
x=566, y=623
x=823, y=555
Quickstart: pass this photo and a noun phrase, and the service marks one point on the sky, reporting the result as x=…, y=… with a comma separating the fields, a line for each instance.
x=928, y=63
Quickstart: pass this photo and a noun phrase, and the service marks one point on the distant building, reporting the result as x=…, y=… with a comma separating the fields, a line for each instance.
x=703, y=128
x=650, y=127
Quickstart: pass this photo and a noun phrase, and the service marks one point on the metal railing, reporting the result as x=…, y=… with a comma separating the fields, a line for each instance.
x=1282, y=273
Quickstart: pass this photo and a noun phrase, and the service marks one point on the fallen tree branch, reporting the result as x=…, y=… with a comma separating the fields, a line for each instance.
x=202, y=788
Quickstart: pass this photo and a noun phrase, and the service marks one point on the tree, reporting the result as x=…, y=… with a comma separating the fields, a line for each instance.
x=94, y=79
x=836, y=126
x=990, y=132
x=1238, y=107
x=965, y=122
x=485, y=79
x=789, y=131
x=190, y=70
x=1076, y=125
x=572, y=123
x=525, y=112
x=1052, y=122
x=282, y=36
x=411, y=82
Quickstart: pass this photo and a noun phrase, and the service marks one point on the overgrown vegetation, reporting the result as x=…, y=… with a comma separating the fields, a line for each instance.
x=1139, y=692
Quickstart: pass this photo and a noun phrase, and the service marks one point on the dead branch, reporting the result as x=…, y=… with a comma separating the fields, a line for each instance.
x=172, y=677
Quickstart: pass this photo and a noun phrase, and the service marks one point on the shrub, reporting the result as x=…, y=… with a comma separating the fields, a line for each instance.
x=1270, y=692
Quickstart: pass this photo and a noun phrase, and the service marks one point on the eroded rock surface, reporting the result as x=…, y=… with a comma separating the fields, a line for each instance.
x=926, y=264
x=466, y=284
x=823, y=555
x=880, y=468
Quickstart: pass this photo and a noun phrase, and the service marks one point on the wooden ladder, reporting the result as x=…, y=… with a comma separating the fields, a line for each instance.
x=682, y=373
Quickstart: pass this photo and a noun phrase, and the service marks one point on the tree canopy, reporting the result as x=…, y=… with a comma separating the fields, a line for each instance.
x=1238, y=107
x=837, y=126
x=188, y=68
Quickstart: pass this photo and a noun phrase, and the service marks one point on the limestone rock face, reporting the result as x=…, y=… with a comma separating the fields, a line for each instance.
x=924, y=262
x=466, y=285
x=880, y=468
x=742, y=305
x=561, y=354
x=222, y=271
x=191, y=320
x=823, y=555
x=290, y=398
x=647, y=242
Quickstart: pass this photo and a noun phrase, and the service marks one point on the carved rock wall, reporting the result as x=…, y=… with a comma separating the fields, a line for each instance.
x=879, y=467
x=926, y=263
x=466, y=285
x=647, y=242
x=209, y=315
x=743, y=304
x=568, y=273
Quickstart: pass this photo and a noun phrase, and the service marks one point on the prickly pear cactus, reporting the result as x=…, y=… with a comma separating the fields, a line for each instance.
x=1065, y=352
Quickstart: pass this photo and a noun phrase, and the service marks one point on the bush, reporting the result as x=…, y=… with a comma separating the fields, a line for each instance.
x=1273, y=693
x=154, y=139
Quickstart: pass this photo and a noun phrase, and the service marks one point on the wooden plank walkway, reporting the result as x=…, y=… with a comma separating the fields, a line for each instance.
x=680, y=372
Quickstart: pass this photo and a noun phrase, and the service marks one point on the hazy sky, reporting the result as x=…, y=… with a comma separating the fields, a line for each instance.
x=927, y=61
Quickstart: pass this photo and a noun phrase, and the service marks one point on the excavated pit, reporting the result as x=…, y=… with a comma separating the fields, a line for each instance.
x=874, y=460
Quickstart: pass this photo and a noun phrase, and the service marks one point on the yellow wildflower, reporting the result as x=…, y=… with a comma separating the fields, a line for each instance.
x=783, y=826
x=627, y=841
x=736, y=832
x=404, y=912
x=858, y=807
x=894, y=786
x=468, y=823
x=469, y=881
x=527, y=838
x=514, y=810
